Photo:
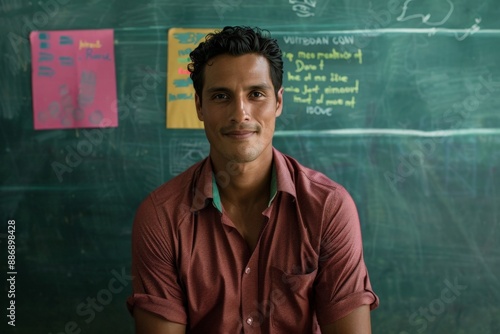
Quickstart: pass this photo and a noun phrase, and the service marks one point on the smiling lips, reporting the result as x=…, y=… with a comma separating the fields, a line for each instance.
x=239, y=133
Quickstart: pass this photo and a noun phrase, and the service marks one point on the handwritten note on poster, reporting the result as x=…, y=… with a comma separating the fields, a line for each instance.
x=181, y=111
x=73, y=76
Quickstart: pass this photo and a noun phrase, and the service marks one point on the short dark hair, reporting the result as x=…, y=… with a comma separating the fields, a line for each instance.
x=235, y=41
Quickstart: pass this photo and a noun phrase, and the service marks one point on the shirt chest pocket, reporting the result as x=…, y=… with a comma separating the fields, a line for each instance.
x=293, y=294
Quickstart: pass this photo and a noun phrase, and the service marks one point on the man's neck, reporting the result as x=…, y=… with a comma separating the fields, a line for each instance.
x=244, y=184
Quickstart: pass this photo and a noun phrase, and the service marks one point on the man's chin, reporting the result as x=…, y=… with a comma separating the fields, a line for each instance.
x=244, y=155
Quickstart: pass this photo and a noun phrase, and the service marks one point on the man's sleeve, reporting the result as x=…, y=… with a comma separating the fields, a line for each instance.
x=342, y=283
x=155, y=279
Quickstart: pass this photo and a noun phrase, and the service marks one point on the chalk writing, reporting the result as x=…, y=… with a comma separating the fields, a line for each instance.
x=303, y=8
x=471, y=31
x=333, y=54
x=319, y=111
x=300, y=40
x=343, y=40
x=343, y=90
x=319, y=40
x=314, y=79
x=425, y=18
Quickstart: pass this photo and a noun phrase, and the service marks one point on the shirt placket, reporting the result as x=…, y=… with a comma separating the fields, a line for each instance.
x=251, y=316
x=254, y=314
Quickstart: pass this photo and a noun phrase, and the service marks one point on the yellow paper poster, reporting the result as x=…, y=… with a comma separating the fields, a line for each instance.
x=181, y=111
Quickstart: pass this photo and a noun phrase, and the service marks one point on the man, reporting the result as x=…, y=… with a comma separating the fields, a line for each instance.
x=247, y=240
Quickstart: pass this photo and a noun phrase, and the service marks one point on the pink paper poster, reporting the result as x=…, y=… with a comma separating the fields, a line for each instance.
x=73, y=77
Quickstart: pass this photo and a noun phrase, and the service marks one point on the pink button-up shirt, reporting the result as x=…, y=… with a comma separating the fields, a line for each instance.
x=191, y=265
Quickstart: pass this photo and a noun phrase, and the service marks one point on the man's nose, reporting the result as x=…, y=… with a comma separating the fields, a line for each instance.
x=240, y=110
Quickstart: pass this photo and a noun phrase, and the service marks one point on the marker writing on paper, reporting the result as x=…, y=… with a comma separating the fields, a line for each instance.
x=87, y=88
x=183, y=82
x=65, y=40
x=89, y=54
x=189, y=38
x=89, y=45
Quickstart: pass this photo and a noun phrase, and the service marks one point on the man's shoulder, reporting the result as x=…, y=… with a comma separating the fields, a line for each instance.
x=167, y=207
x=318, y=195
x=178, y=188
x=315, y=191
x=303, y=175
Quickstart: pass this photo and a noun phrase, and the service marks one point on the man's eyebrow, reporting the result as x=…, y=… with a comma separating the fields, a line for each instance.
x=262, y=86
x=217, y=89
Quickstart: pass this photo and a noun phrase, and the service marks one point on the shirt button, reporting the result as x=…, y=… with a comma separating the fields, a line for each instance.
x=250, y=321
x=247, y=271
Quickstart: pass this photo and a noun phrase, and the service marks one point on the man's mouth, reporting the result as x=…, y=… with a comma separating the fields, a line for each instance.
x=239, y=134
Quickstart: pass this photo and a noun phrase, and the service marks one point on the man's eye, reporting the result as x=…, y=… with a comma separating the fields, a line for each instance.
x=257, y=94
x=220, y=96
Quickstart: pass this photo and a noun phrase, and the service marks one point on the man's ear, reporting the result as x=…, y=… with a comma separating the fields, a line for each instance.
x=279, y=102
x=197, y=101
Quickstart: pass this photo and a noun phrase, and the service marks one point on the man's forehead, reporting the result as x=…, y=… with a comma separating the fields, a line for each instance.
x=251, y=68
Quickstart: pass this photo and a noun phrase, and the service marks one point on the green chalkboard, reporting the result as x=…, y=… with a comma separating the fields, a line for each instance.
x=408, y=124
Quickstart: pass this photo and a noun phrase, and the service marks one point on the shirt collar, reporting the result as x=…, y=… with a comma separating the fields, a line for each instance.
x=215, y=193
x=285, y=173
x=273, y=190
x=206, y=186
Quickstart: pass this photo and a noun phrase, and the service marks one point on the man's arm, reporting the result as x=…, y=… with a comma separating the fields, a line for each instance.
x=148, y=323
x=356, y=322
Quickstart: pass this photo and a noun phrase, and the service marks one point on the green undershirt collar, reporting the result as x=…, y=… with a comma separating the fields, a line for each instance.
x=272, y=191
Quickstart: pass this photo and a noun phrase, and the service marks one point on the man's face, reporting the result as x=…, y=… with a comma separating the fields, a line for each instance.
x=239, y=107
